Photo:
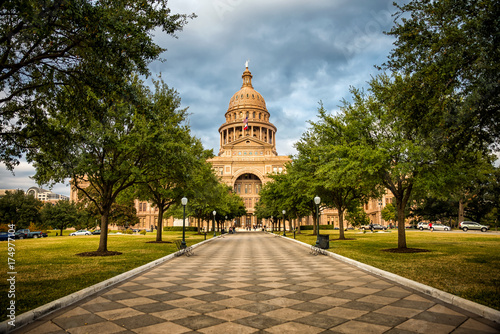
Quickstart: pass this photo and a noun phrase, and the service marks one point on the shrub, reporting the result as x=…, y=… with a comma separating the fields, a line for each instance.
x=143, y=232
x=179, y=228
x=311, y=227
x=129, y=231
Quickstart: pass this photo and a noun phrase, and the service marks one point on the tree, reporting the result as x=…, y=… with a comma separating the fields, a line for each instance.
x=389, y=212
x=112, y=149
x=325, y=149
x=20, y=209
x=87, y=45
x=384, y=149
x=60, y=215
x=175, y=158
x=451, y=50
x=357, y=216
x=185, y=161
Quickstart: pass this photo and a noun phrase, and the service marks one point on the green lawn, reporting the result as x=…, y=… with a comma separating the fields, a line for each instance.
x=48, y=269
x=463, y=264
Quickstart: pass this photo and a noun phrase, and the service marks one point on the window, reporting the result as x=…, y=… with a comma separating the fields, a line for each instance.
x=280, y=170
x=253, y=114
x=275, y=170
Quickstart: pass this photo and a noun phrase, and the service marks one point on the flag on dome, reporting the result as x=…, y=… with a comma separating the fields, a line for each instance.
x=246, y=123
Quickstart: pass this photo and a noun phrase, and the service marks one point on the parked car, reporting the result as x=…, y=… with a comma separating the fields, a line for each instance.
x=468, y=225
x=96, y=232
x=80, y=232
x=4, y=236
x=440, y=227
x=423, y=226
x=25, y=234
x=374, y=227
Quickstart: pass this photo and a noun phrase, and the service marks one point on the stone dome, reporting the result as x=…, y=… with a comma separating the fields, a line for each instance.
x=247, y=96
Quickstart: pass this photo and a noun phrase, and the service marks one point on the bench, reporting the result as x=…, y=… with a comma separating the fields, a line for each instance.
x=183, y=249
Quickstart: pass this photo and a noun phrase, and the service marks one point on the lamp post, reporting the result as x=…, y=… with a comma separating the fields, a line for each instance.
x=317, y=200
x=184, y=201
x=380, y=209
x=213, y=223
x=284, y=224
x=224, y=225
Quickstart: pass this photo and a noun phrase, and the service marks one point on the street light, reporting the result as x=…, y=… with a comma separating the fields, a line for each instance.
x=284, y=225
x=184, y=201
x=213, y=223
x=317, y=200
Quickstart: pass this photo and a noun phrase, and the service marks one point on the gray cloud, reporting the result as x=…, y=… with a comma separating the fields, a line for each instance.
x=300, y=53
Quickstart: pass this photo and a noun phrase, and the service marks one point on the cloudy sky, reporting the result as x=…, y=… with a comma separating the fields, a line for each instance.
x=299, y=52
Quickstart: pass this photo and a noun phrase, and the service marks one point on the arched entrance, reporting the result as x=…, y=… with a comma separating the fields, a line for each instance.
x=248, y=186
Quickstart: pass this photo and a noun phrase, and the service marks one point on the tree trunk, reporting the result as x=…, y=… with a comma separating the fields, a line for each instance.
x=199, y=225
x=401, y=223
x=61, y=231
x=460, y=212
x=103, y=240
x=341, y=224
x=159, y=227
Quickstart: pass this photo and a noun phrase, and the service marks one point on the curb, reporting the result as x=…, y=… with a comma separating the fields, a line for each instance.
x=478, y=309
x=35, y=314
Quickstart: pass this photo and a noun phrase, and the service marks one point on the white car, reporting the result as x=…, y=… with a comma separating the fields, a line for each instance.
x=423, y=226
x=80, y=232
x=440, y=227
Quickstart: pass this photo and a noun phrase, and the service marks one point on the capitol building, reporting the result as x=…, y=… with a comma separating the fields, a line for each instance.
x=247, y=153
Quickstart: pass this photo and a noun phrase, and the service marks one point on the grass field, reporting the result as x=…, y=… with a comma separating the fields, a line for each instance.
x=48, y=269
x=463, y=264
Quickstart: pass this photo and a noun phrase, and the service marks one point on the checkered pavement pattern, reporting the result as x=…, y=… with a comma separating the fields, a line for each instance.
x=259, y=283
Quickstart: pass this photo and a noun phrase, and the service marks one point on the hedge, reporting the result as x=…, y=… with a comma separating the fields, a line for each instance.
x=321, y=227
x=179, y=228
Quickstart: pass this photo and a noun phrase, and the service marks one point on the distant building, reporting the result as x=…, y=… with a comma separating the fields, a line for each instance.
x=3, y=192
x=46, y=195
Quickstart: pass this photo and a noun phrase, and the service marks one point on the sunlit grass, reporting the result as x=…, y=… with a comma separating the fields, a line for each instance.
x=48, y=268
x=466, y=265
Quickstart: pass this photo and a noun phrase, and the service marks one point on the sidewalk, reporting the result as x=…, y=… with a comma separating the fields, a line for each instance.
x=258, y=283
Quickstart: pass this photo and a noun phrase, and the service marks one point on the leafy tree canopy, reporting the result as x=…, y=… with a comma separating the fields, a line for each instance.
x=452, y=51
x=17, y=208
x=46, y=46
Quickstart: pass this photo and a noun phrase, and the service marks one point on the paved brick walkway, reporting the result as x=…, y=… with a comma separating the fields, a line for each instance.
x=258, y=283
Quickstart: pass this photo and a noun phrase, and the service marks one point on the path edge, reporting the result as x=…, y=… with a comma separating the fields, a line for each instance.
x=41, y=311
x=478, y=309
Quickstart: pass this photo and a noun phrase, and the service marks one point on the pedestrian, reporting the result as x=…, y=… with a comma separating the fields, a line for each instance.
x=430, y=227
